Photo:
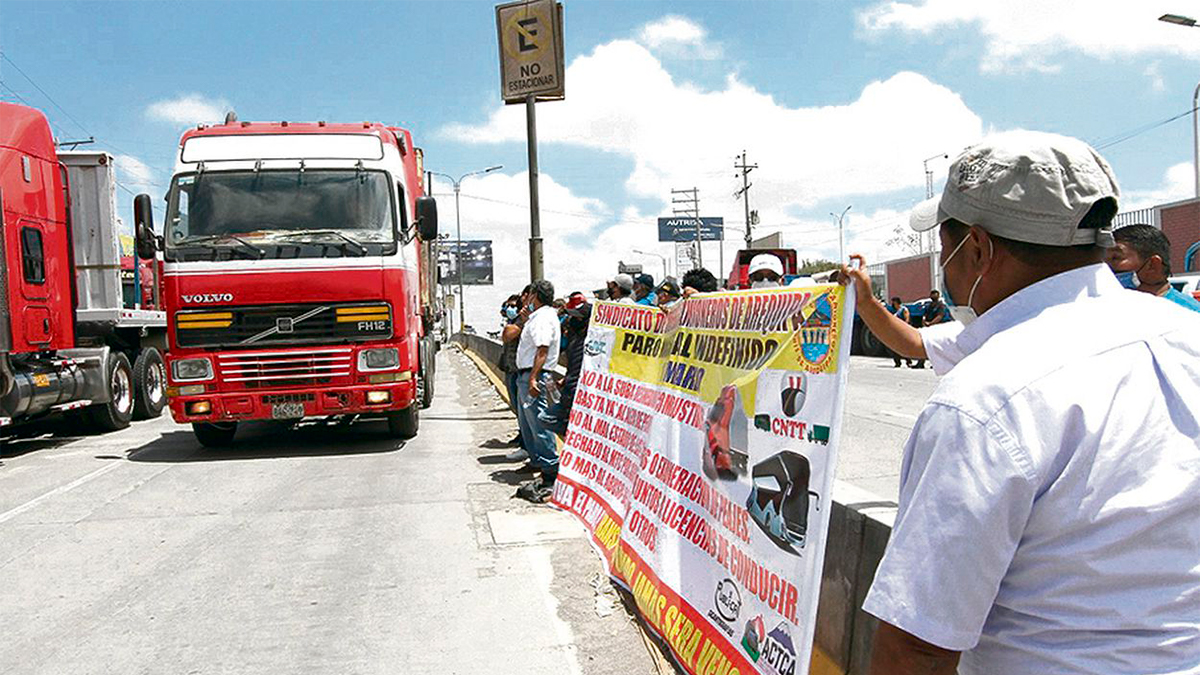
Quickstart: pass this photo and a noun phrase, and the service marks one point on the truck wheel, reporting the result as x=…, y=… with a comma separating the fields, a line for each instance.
x=871, y=345
x=404, y=423
x=149, y=384
x=214, y=434
x=118, y=411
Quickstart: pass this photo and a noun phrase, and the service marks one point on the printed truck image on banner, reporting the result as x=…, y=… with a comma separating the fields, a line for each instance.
x=700, y=455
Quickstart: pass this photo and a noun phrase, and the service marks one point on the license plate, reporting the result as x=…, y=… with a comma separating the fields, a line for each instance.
x=287, y=411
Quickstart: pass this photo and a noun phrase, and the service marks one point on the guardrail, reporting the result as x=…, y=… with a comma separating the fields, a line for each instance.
x=859, y=526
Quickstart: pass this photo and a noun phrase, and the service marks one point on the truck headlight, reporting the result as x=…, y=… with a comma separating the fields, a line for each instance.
x=378, y=359
x=191, y=370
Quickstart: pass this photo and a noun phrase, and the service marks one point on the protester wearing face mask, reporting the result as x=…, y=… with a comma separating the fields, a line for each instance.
x=1141, y=260
x=1057, y=460
x=510, y=335
x=766, y=271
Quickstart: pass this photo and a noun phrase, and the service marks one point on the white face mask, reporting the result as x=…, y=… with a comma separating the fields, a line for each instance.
x=964, y=314
x=765, y=283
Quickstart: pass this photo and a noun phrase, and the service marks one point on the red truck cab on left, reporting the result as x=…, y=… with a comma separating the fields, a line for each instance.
x=68, y=338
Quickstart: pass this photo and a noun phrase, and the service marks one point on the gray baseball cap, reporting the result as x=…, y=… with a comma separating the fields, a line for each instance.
x=624, y=281
x=1026, y=186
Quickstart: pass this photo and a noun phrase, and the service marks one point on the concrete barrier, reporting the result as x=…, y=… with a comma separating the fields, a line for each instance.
x=859, y=526
x=487, y=349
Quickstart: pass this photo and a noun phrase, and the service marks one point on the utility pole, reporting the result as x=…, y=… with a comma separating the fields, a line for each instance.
x=744, y=193
x=691, y=197
x=927, y=237
x=841, y=236
x=535, y=221
x=462, y=298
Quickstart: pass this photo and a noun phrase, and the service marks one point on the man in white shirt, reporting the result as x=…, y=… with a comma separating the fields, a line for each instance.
x=537, y=352
x=1049, y=517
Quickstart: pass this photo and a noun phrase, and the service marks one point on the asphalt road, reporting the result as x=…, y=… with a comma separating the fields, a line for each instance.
x=882, y=403
x=312, y=550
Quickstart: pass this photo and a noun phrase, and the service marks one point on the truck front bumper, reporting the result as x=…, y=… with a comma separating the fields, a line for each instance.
x=283, y=403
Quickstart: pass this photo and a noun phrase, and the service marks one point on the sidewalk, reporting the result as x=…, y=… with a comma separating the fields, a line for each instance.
x=597, y=633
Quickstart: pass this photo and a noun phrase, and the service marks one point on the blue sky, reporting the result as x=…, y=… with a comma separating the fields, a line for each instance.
x=838, y=102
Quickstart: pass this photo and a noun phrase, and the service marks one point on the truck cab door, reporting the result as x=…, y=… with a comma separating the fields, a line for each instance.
x=35, y=314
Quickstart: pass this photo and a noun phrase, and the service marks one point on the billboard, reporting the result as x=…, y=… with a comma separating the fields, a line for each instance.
x=476, y=262
x=683, y=228
x=700, y=455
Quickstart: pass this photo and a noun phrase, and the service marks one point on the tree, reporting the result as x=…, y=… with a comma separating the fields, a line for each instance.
x=808, y=267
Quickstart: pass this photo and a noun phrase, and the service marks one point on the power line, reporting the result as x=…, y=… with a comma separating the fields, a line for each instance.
x=1117, y=139
x=43, y=92
x=577, y=214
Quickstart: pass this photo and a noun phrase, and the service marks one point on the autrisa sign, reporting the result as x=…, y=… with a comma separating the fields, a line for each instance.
x=531, y=51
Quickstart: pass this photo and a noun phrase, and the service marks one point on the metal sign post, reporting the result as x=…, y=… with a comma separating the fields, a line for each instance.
x=530, y=36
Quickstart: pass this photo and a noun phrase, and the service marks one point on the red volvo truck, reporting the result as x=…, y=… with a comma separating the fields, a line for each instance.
x=298, y=275
x=69, y=340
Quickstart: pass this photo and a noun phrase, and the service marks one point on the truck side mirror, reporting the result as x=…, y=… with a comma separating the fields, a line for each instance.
x=143, y=226
x=427, y=225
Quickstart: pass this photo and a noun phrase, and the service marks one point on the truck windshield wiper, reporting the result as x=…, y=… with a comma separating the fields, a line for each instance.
x=208, y=240
x=348, y=245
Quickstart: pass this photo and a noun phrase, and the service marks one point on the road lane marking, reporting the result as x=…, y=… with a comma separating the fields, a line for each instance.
x=14, y=512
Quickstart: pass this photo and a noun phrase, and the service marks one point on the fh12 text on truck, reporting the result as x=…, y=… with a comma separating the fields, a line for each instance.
x=298, y=275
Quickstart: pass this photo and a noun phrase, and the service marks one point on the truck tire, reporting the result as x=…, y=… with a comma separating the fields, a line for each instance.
x=404, y=423
x=117, y=413
x=871, y=345
x=214, y=434
x=149, y=384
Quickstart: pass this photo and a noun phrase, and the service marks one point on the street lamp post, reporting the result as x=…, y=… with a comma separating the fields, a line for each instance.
x=462, y=299
x=1189, y=22
x=663, y=258
x=841, y=236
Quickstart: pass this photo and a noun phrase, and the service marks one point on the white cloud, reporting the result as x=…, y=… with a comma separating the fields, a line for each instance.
x=496, y=207
x=679, y=36
x=1178, y=183
x=135, y=174
x=1033, y=34
x=188, y=109
x=677, y=135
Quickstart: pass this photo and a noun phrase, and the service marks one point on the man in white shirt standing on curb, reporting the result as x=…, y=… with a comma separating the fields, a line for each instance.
x=1049, y=517
x=537, y=352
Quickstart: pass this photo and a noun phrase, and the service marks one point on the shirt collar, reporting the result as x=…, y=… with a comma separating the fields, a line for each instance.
x=1067, y=287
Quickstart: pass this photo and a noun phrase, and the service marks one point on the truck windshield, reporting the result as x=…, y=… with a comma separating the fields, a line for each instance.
x=318, y=211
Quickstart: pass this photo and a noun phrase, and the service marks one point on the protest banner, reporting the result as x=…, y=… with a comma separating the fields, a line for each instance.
x=700, y=455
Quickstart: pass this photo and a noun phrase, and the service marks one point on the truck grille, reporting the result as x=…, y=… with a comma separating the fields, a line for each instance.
x=309, y=323
x=282, y=369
